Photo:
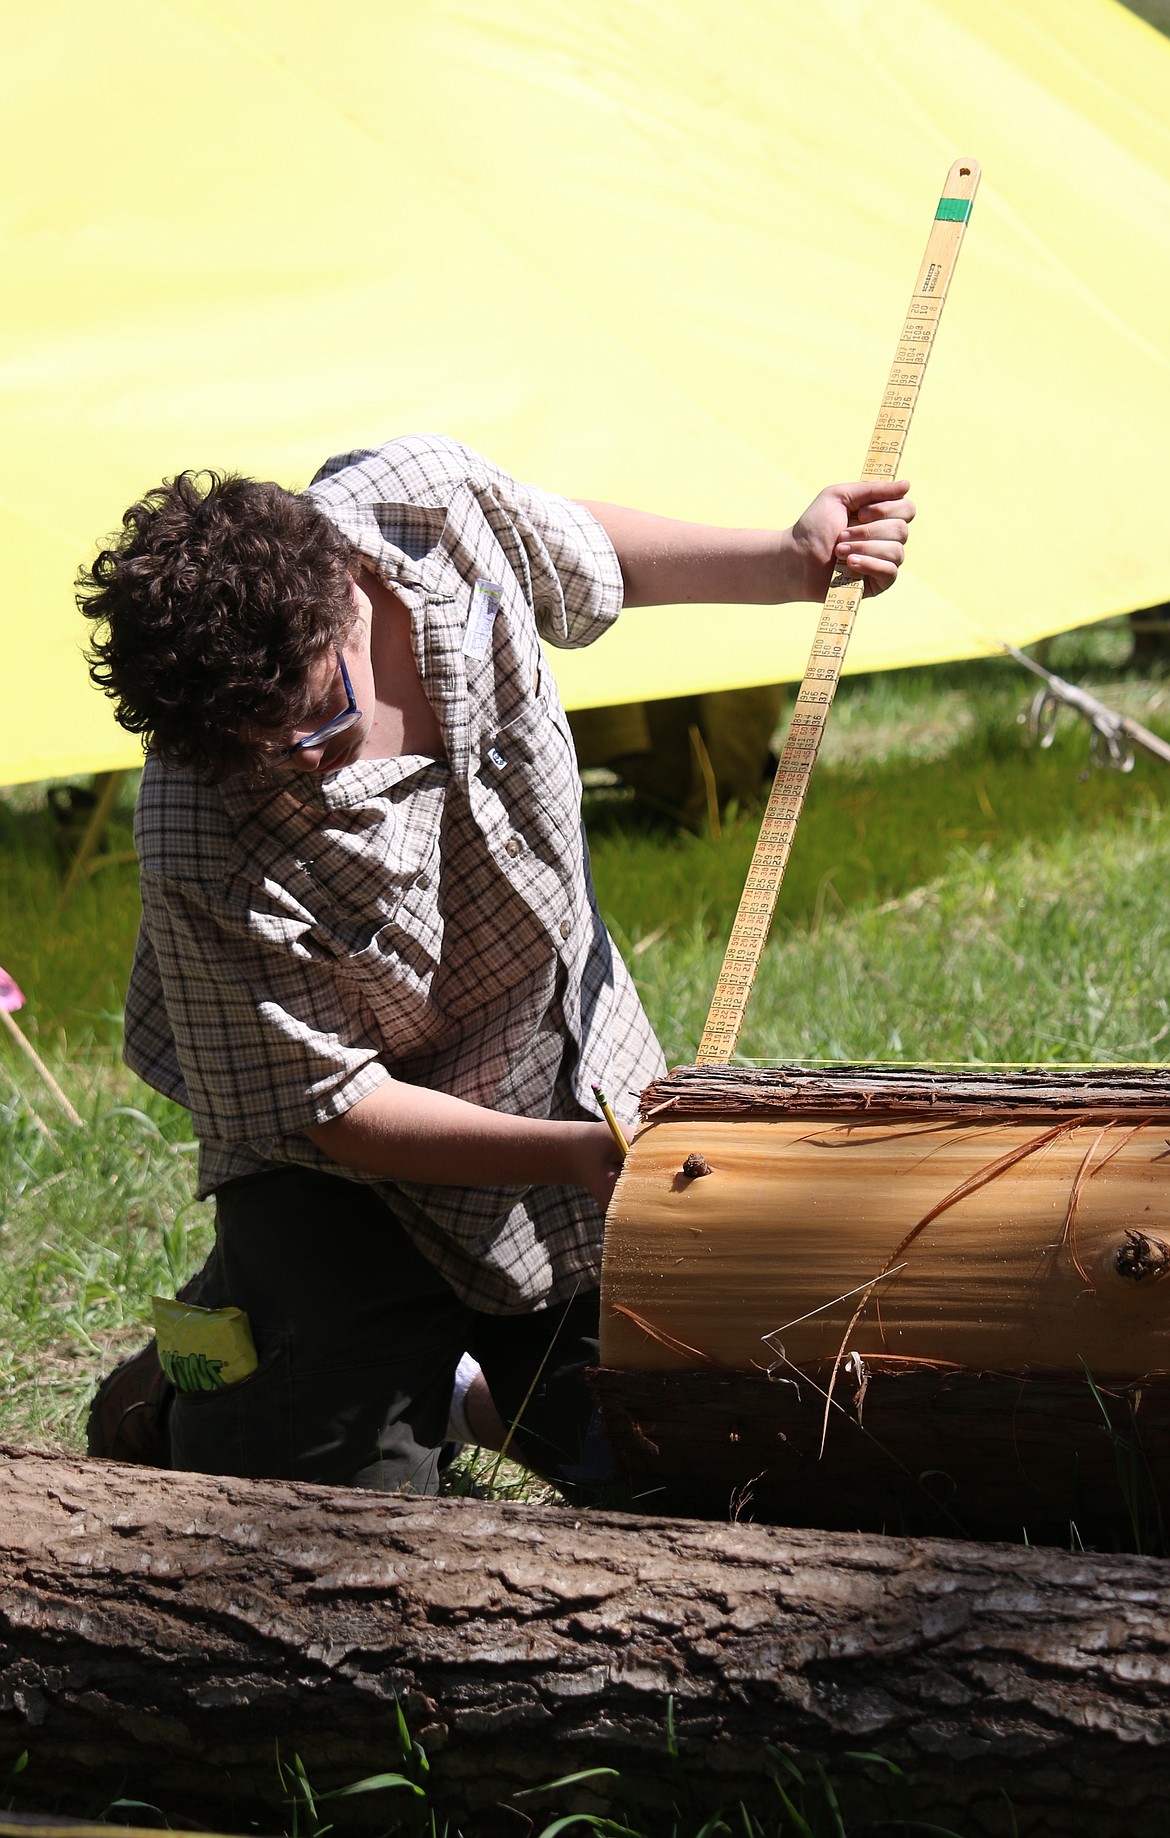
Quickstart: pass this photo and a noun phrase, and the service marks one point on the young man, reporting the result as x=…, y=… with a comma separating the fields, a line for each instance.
x=371, y=961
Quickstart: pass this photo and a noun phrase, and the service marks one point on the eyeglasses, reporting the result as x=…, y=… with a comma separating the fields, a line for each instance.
x=349, y=716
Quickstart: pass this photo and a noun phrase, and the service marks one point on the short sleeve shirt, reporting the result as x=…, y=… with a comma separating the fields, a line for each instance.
x=429, y=920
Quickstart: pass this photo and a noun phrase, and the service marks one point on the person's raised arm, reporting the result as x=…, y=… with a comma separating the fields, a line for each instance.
x=862, y=526
x=410, y=1133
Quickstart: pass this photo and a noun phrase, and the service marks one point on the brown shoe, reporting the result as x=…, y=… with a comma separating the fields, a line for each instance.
x=129, y=1415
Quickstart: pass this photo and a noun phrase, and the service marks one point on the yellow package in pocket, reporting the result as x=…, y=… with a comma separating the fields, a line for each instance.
x=203, y=1349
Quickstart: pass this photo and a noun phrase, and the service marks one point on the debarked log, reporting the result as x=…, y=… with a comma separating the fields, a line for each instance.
x=894, y=1297
x=161, y=1633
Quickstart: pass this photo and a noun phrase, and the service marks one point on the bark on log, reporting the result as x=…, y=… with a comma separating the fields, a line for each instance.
x=161, y=1632
x=976, y=1093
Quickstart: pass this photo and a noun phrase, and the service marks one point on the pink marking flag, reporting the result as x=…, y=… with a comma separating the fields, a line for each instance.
x=10, y=996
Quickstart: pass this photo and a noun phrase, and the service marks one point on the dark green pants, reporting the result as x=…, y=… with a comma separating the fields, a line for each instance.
x=358, y=1338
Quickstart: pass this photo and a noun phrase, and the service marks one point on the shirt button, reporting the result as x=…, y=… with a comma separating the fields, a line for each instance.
x=424, y=881
x=512, y=846
x=566, y=928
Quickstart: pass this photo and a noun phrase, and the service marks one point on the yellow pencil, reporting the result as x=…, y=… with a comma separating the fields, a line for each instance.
x=615, y=1126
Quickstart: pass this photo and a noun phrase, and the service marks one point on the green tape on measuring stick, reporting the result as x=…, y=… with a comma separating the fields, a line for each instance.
x=953, y=210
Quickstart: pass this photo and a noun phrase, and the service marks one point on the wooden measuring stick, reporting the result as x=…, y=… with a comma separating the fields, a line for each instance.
x=785, y=802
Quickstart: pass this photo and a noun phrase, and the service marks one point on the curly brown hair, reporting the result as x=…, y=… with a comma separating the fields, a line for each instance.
x=217, y=597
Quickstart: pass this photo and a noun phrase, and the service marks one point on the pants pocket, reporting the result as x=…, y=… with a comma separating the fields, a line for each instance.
x=245, y=1430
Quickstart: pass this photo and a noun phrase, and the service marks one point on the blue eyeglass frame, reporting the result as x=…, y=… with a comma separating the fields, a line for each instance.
x=348, y=717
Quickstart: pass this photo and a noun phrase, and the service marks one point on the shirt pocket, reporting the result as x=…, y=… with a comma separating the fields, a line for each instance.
x=387, y=966
x=530, y=764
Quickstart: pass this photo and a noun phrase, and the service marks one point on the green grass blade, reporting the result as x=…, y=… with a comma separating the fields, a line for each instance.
x=567, y=1780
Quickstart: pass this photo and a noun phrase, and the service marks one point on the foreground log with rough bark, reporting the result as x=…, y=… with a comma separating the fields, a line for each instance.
x=896, y=1297
x=161, y=1633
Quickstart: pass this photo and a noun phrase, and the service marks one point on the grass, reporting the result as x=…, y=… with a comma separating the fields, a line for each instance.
x=953, y=895
x=795, y=1798
x=798, y=1801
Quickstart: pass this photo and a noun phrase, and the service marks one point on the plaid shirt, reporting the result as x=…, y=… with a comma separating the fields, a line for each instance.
x=429, y=919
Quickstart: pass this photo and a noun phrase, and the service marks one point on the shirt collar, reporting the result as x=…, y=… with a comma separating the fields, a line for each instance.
x=403, y=543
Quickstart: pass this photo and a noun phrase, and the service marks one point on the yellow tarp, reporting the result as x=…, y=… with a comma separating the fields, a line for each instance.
x=655, y=251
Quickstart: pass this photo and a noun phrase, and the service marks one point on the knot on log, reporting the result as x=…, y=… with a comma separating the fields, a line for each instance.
x=694, y=1166
x=1142, y=1256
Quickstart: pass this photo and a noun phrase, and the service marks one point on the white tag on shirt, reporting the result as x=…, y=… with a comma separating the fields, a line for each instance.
x=485, y=604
